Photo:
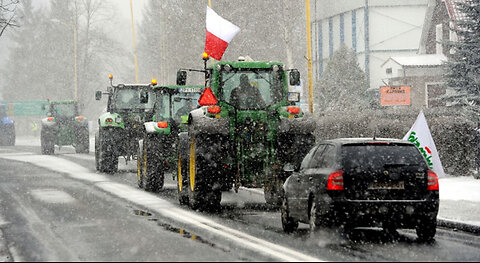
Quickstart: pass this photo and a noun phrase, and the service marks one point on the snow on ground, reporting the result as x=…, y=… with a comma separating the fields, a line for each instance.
x=460, y=188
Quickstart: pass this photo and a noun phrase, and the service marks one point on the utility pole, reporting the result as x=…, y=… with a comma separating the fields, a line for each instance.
x=309, y=58
x=134, y=45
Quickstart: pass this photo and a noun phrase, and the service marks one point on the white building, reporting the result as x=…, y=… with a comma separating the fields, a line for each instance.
x=375, y=29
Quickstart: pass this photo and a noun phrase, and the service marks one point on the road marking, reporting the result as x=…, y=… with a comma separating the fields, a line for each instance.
x=164, y=207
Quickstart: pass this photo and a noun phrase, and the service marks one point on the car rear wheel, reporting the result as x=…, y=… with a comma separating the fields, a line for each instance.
x=426, y=229
x=288, y=223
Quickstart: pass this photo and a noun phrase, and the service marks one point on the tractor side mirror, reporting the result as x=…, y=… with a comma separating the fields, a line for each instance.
x=98, y=95
x=294, y=77
x=294, y=96
x=144, y=96
x=181, y=77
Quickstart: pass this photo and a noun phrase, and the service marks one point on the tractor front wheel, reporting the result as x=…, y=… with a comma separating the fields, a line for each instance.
x=153, y=170
x=106, y=160
x=202, y=193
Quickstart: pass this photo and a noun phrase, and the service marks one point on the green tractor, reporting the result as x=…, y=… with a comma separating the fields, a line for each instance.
x=64, y=126
x=121, y=126
x=157, y=150
x=247, y=132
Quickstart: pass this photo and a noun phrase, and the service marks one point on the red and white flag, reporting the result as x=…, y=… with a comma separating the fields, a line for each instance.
x=219, y=34
x=420, y=135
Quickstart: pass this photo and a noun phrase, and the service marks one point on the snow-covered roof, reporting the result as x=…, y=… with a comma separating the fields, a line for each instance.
x=419, y=60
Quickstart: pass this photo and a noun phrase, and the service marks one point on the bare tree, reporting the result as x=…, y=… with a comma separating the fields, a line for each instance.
x=7, y=14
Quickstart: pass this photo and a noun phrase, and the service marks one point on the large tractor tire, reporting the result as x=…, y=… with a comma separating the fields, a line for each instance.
x=47, y=142
x=152, y=175
x=203, y=186
x=106, y=160
x=273, y=189
x=182, y=178
x=82, y=141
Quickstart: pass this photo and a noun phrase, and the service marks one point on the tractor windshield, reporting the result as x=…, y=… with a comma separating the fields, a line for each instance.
x=162, y=107
x=183, y=104
x=251, y=88
x=131, y=98
x=65, y=110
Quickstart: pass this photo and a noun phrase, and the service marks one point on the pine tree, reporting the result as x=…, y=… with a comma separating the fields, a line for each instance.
x=344, y=84
x=463, y=68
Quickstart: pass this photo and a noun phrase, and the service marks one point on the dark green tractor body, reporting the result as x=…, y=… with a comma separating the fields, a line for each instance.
x=157, y=149
x=249, y=139
x=121, y=126
x=64, y=126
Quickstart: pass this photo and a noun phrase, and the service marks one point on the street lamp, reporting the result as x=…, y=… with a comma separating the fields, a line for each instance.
x=74, y=52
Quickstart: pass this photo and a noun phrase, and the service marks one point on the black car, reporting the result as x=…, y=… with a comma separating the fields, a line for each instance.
x=359, y=182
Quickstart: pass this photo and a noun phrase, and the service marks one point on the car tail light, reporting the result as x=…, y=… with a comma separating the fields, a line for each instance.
x=109, y=120
x=50, y=119
x=293, y=109
x=214, y=109
x=335, y=181
x=162, y=124
x=432, y=181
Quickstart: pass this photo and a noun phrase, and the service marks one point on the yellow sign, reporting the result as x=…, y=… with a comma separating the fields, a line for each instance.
x=397, y=95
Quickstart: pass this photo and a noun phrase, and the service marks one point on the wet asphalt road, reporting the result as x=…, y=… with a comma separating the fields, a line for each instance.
x=49, y=216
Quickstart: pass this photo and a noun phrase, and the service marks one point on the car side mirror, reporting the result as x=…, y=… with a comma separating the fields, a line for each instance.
x=98, y=95
x=144, y=96
x=181, y=77
x=294, y=77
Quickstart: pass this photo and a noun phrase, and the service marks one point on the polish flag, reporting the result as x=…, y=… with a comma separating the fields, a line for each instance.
x=219, y=34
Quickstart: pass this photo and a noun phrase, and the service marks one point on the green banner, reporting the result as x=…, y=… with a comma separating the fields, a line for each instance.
x=27, y=108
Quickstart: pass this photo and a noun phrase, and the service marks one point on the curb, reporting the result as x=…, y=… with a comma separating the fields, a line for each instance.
x=474, y=229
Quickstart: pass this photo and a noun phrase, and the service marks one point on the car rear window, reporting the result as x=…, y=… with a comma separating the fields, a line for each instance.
x=377, y=156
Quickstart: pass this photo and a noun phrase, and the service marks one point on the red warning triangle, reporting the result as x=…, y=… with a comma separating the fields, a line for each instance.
x=207, y=98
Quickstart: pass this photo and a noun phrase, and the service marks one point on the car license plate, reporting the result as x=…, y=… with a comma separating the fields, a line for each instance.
x=387, y=185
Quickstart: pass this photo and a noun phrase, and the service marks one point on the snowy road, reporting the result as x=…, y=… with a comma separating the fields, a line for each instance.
x=58, y=208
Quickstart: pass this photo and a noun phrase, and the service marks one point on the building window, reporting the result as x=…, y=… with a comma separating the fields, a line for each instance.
x=330, y=36
x=388, y=70
x=354, y=30
x=342, y=29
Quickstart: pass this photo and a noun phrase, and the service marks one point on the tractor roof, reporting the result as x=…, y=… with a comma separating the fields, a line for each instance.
x=177, y=88
x=247, y=64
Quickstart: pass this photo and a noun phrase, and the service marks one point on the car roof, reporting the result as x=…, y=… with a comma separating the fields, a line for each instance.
x=344, y=141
